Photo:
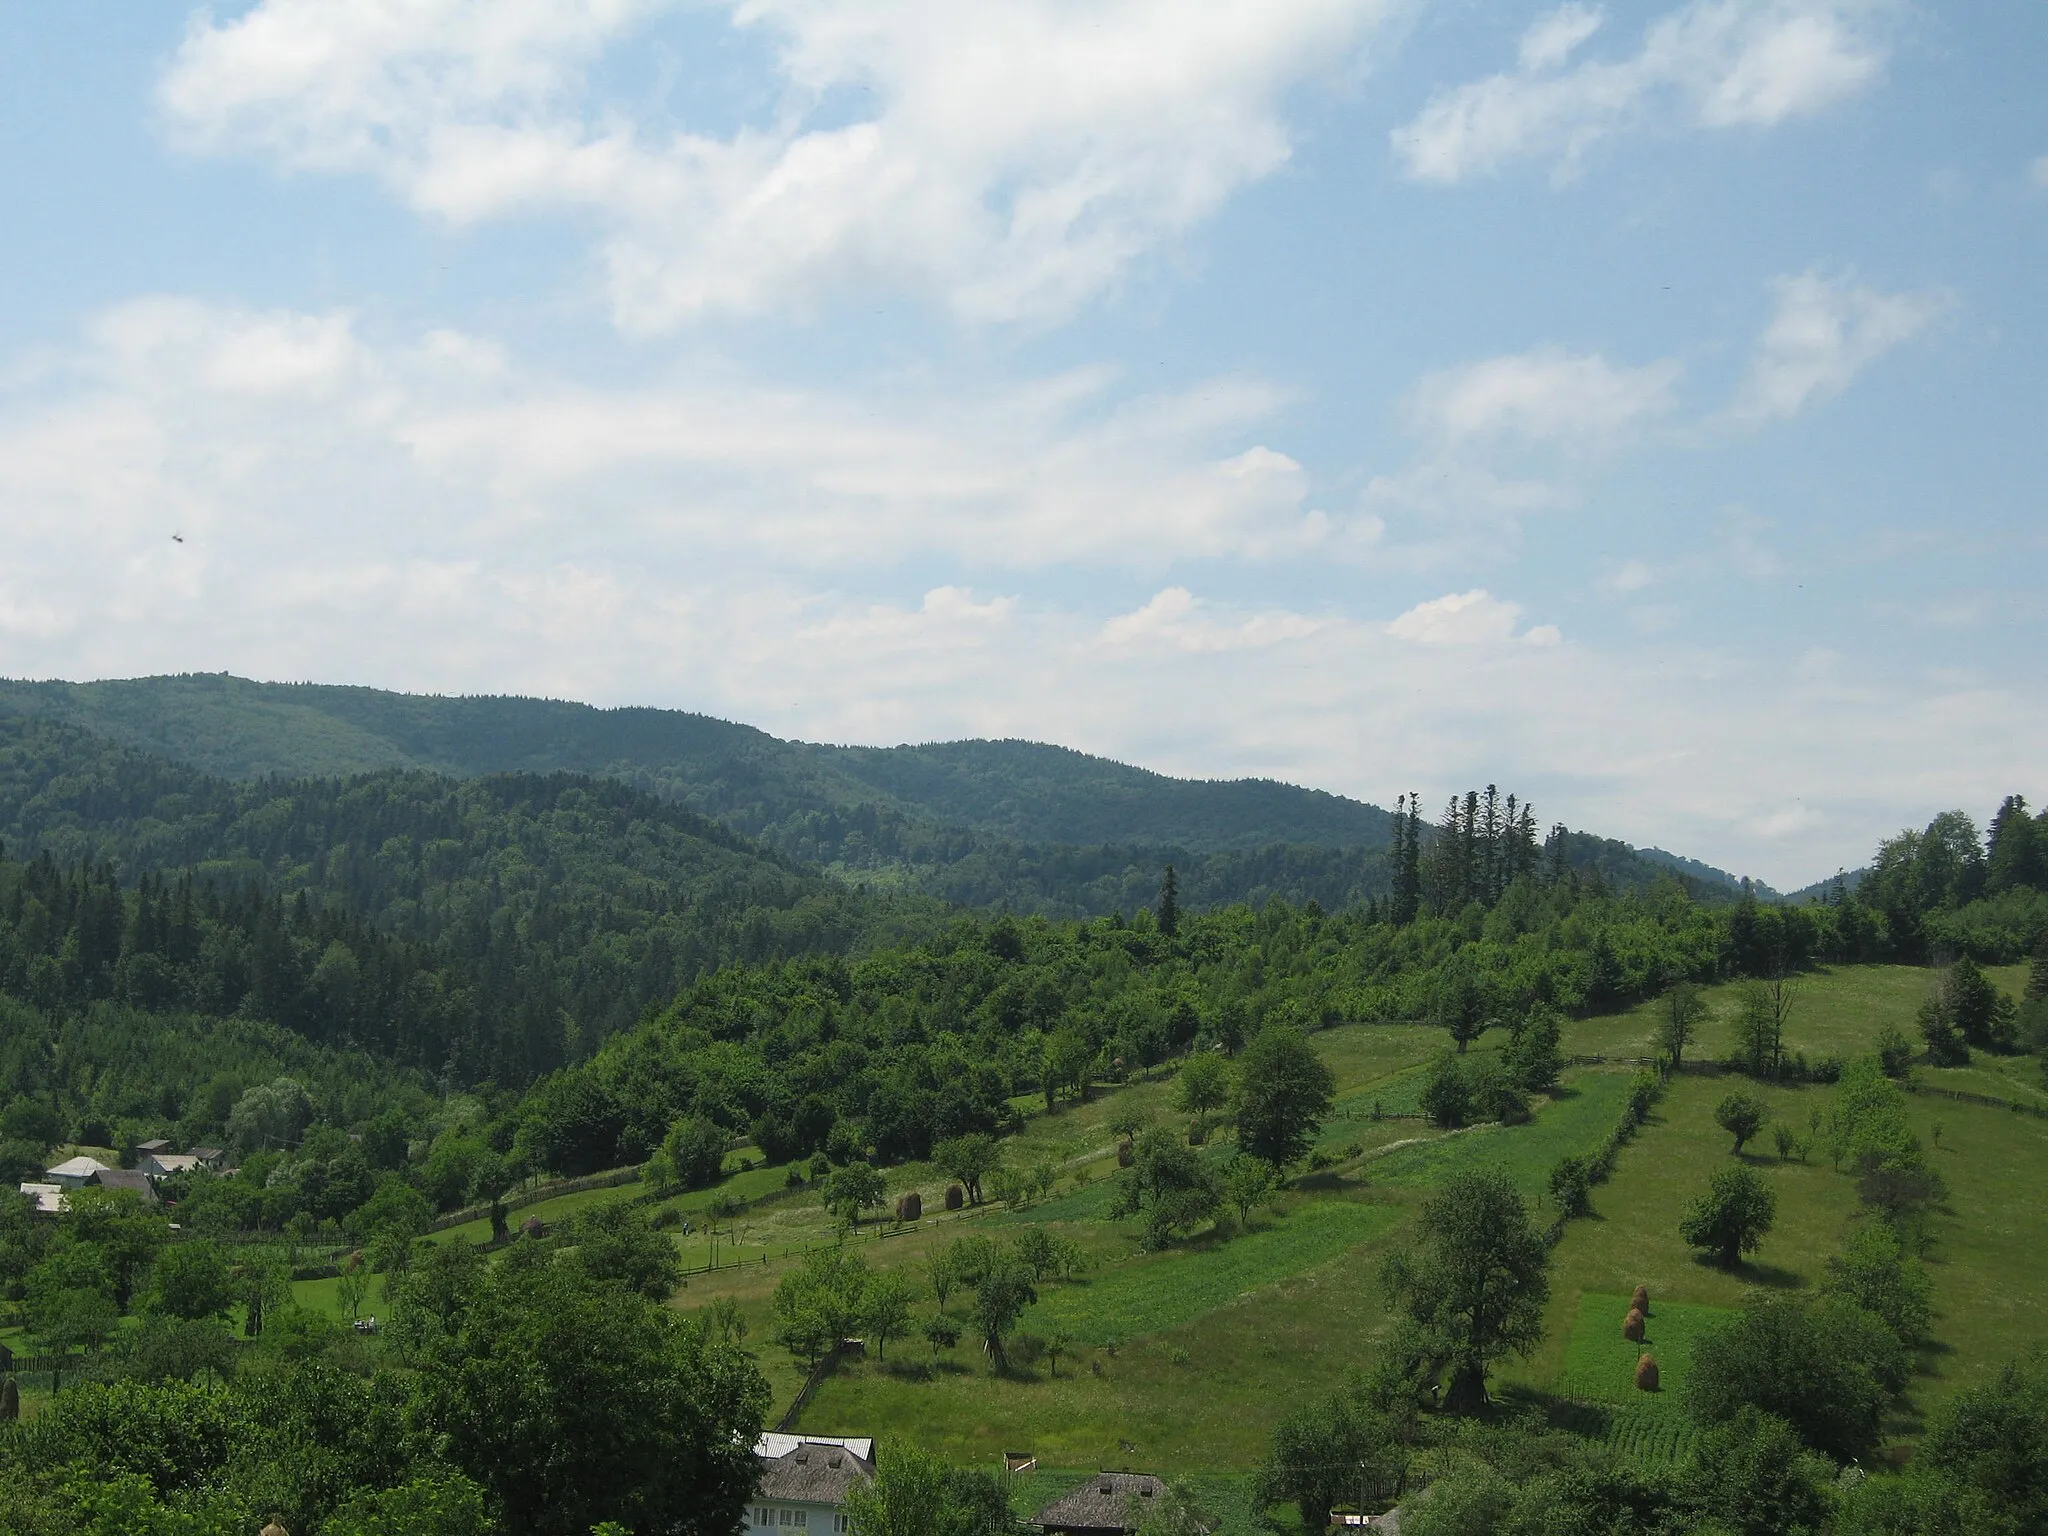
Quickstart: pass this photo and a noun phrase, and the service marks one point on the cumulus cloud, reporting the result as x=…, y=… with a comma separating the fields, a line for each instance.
x=1823, y=332
x=1467, y=618
x=1013, y=157
x=1708, y=64
x=1548, y=395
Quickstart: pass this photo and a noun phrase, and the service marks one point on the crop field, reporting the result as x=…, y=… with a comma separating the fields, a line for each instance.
x=1600, y=1365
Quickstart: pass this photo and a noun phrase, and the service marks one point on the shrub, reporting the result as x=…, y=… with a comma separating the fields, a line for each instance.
x=1571, y=1186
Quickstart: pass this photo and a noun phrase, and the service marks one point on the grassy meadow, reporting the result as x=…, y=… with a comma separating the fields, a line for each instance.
x=1183, y=1359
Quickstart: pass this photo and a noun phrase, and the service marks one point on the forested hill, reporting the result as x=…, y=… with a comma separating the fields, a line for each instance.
x=498, y=926
x=1037, y=828
x=1015, y=790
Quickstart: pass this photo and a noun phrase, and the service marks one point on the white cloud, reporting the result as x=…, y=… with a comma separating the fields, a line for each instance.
x=1548, y=395
x=1823, y=332
x=1467, y=618
x=1175, y=618
x=2039, y=172
x=430, y=516
x=1018, y=156
x=1708, y=64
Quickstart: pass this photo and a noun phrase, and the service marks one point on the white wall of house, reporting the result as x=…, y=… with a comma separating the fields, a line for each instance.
x=810, y=1519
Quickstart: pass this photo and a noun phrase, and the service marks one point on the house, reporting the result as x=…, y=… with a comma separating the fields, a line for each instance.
x=145, y=1150
x=161, y=1165
x=1109, y=1502
x=46, y=1199
x=211, y=1157
x=133, y=1180
x=804, y=1482
x=75, y=1172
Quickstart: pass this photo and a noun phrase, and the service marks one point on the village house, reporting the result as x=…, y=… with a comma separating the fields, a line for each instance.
x=133, y=1180
x=1108, y=1504
x=161, y=1165
x=46, y=1199
x=75, y=1172
x=804, y=1482
x=148, y=1149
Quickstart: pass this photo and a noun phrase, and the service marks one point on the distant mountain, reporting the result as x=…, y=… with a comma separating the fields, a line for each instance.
x=1033, y=827
x=1015, y=790
x=1706, y=872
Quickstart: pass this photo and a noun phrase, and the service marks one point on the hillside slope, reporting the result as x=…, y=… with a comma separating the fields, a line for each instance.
x=1015, y=790
x=1037, y=828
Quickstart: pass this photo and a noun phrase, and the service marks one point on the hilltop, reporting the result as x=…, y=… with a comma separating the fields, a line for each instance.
x=1034, y=827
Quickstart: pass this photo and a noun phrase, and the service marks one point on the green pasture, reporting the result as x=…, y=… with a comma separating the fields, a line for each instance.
x=1588, y=1103
x=1158, y=1291
x=1835, y=1012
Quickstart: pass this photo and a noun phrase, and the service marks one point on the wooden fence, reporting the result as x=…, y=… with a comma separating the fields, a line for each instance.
x=1961, y=1096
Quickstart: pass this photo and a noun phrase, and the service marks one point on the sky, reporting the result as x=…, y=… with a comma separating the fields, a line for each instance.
x=1641, y=407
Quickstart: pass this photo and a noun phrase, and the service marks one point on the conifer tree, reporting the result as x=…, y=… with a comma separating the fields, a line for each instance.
x=1169, y=903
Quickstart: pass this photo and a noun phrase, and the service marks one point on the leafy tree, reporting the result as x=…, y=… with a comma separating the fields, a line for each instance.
x=1752, y=1476
x=693, y=1152
x=571, y=1403
x=1741, y=1115
x=434, y=1503
x=1248, y=1183
x=1731, y=1218
x=885, y=1309
x=1284, y=1091
x=1446, y=1097
x=1324, y=1453
x=940, y=1332
x=1826, y=1368
x=969, y=1159
x=1760, y=1026
x=914, y=1493
x=271, y=1115
x=851, y=1190
x=1532, y=1057
x=1473, y=1499
x=820, y=1302
x=1478, y=1288
x=1203, y=1086
x=617, y=1245
x=1987, y=1453
x=1679, y=1021
x=1877, y=1274
x=191, y=1280
x=1000, y=1297
x=1170, y=1184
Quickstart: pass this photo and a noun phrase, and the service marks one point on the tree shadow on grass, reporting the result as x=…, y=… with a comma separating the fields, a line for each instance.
x=1771, y=1276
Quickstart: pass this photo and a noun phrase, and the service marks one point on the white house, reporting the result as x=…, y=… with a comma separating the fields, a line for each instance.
x=804, y=1482
x=76, y=1172
x=161, y=1165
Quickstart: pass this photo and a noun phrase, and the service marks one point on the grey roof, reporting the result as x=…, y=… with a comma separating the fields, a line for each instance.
x=134, y=1180
x=813, y=1473
x=1103, y=1503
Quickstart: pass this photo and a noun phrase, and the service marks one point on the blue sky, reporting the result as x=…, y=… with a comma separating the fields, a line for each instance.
x=1640, y=406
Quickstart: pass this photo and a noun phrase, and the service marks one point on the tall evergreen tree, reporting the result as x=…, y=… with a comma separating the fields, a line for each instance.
x=1169, y=903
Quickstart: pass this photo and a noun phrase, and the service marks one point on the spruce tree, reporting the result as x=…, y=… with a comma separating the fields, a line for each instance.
x=1169, y=903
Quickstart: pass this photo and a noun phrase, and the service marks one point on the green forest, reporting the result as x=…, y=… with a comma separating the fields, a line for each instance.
x=603, y=1086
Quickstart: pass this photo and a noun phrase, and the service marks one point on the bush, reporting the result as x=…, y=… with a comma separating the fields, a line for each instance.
x=1571, y=1186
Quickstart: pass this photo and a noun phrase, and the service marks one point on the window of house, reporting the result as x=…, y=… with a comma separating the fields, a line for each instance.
x=803, y=1516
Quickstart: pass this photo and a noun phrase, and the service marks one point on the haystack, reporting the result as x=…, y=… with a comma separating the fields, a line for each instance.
x=1632, y=1326
x=1646, y=1374
x=1641, y=1300
x=910, y=1206
x=955, y=1197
